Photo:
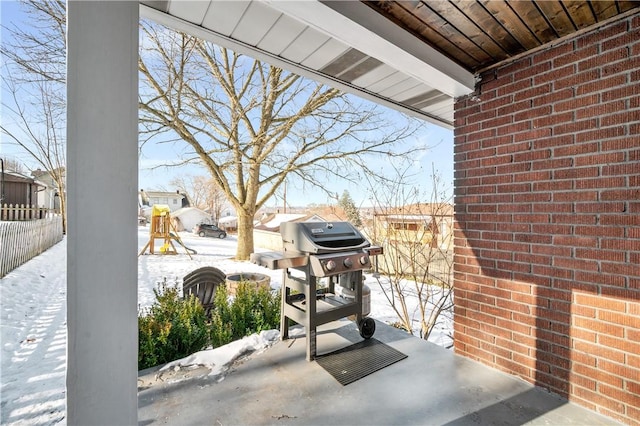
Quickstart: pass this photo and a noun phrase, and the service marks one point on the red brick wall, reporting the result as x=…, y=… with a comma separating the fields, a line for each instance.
x=547, y=191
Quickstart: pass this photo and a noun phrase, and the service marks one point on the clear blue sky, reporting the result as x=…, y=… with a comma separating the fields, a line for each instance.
x=439, y=155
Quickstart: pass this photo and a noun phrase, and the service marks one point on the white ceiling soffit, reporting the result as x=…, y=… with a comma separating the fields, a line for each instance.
x=342, y=44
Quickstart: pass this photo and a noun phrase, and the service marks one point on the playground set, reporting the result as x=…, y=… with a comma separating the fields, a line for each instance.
x=161, y=228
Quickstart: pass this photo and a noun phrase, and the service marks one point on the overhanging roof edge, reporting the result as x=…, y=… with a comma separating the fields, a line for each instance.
x=171, y=21
x=357, y=25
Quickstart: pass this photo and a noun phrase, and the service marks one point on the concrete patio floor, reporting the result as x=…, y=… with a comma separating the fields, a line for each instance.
x=432, y=386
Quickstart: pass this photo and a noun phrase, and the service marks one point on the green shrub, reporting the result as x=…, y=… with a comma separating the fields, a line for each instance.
x=171, y=328
x=251, y=311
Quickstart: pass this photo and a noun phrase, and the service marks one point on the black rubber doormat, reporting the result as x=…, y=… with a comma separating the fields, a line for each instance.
x=359, y=360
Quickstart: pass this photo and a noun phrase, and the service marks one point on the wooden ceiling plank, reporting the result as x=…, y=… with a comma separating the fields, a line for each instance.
x=487, y=24
x=511, y=22
x=479, y=33
x=425, y=33
x=466, y=27
x=557, y=16
x=423, y=13
x=624, y=5
x=529, y=13
x=604, y=9
x=580, y=13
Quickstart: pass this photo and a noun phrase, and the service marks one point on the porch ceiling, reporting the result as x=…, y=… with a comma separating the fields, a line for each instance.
x=414, y=56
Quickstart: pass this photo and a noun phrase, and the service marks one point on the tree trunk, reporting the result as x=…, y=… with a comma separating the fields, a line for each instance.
x=245, y=235
x=63, y=212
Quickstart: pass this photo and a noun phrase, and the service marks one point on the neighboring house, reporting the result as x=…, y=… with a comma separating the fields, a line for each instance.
x=266, y=233
x=329, y=213
x=186, y=218
x=17, y=189
x=228, y=223
x=417, y=240
x=423, y=223
x=50, y=196
x=175, y=200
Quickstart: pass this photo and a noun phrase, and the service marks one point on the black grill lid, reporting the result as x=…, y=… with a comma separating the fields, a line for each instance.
x=321, y=237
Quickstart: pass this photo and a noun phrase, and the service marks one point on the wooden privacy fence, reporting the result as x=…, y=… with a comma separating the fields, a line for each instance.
x=21, y=241
x=23, y=212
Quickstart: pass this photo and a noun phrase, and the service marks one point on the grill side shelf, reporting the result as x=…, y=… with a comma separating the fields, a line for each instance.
x=277, y=260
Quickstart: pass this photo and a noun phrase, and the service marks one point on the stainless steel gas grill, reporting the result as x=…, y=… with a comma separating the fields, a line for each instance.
x=316, y=256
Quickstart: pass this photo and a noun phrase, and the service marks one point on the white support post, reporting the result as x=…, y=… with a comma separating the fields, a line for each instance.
x=102, y=170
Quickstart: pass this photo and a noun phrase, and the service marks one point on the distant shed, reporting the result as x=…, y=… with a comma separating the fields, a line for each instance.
x=186, y=218
x=19, y=189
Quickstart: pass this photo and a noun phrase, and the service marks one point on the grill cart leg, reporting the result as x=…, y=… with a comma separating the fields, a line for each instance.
x=302, y=304
x=284, y=321
x=310, y=312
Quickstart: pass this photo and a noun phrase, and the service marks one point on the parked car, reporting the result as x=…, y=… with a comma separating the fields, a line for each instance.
x=206, y=230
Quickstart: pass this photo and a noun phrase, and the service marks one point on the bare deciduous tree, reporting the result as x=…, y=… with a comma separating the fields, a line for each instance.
x=13, y=165
x=39, y=50
x=252, y=125
x=417, y=237
x=37, y=129
x=249, y=124
x=34, y=77
x=203, y=193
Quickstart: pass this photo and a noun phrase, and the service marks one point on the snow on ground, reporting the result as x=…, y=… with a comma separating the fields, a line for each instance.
x=33, y=337
x=34, y=330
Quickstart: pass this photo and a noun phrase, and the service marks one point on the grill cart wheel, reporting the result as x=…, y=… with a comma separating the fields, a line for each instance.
x=367, y=327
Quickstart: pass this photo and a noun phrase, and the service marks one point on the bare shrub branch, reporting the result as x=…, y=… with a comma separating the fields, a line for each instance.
x=416, y=271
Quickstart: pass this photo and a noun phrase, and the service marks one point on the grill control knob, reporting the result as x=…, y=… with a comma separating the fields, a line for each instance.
x=330, y=265
x=364, y=260
x=348, y=263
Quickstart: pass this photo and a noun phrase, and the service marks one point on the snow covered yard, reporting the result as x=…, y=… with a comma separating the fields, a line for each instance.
x=33, y=321
x=34, y=336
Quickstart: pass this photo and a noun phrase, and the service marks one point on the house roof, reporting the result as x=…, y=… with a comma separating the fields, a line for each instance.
x=415, y=57
x=189, y=210
x=272, y=222
x=38, y=173
x=417, y=210
x=18, y=177
x=167, y=194
x=275, y=220
x=227, y=219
